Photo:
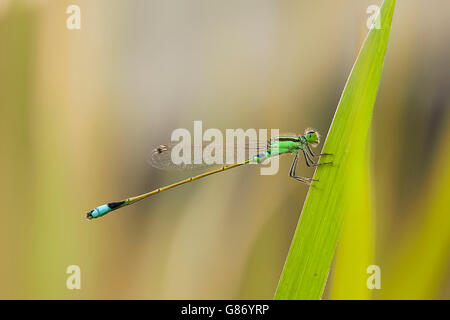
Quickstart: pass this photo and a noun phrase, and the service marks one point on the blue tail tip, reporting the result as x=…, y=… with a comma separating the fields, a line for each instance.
x=90, y=215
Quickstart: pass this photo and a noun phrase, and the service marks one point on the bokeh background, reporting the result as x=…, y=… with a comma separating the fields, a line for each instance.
x=82, y=109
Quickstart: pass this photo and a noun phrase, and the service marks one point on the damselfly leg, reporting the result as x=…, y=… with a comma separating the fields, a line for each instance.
x=292, y=172
x=317, y=155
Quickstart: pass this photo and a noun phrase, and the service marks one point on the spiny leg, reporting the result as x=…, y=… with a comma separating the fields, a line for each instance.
x=292, y=172
x=317, y=155
x=306, y=158
x=294, y=163
x=310, y=162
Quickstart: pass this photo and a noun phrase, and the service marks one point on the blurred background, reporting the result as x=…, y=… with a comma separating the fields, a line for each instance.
x=82, y=109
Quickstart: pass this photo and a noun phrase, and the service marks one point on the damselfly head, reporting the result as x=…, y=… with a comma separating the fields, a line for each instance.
x=312, y=136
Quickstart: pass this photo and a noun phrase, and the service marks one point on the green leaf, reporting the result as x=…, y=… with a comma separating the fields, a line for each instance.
x=310, y=256
x=356, y=249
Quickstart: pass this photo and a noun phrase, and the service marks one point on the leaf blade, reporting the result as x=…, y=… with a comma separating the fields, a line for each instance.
x=315, y=240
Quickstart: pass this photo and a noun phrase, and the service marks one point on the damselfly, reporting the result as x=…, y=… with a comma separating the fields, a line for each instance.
x=292, y=144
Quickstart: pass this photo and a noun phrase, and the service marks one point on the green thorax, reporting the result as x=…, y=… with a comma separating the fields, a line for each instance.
x=282, y=145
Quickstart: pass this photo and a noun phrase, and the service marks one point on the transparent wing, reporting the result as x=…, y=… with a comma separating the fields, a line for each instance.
x=184, y=157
